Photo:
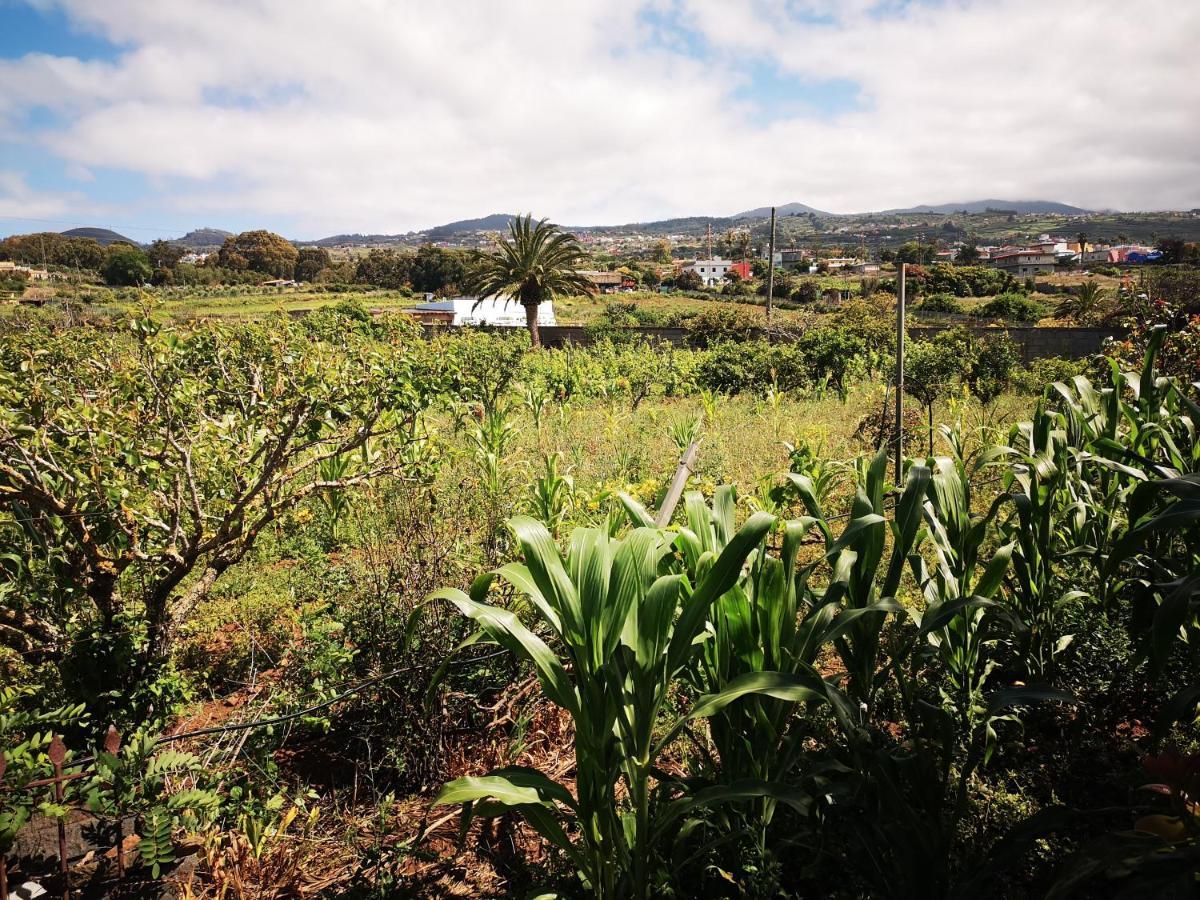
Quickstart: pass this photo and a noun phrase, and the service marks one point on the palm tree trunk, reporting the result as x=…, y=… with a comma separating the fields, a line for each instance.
x=531, y=322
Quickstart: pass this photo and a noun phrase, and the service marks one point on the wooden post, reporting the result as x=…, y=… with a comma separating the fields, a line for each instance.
x=678, y=483
x=58, y=755
x=3, y=858
x=112, y=745
x=771, y=272
x=900, y=373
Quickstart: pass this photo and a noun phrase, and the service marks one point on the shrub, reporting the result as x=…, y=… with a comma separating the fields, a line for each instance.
x=730, y=368
x=992, y=366
x=944, y=303
x=830, y=353
x=721, y=323
x=1034, y=378
x=1011, y=306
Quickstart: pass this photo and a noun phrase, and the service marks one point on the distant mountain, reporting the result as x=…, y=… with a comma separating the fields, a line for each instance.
x=788, y=209
x=103, y=236
x=203, y=238
x=494, y=222
x=354, y=240
x=1022, y=207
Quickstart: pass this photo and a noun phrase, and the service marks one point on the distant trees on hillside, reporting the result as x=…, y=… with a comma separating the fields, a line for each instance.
x=50, y=248
x=259, y=251
x=311, y=262
x=126, y=266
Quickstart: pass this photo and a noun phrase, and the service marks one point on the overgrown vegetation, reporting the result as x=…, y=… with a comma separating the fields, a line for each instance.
x=440, y=556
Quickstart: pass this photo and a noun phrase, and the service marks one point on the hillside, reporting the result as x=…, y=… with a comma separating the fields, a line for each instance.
x=788, y=209
x=103, y=236
x=1022, y=207
x=203, y=238
x=494, y=222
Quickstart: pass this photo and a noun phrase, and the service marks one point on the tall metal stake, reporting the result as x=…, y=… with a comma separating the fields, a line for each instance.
x=900, y=374
x=771, y=272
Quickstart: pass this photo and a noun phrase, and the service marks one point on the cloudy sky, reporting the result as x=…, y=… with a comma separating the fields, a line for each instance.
x=314, y=117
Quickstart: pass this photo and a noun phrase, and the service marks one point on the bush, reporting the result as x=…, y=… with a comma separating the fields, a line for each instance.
x=1011, y=306
x=1034, y=378
x=992, y=366
x=721, y=323
x=943, y=303
x=830, y=353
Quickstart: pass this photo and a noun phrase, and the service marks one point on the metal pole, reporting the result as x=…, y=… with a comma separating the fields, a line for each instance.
x=900, y=373
x=771, y=272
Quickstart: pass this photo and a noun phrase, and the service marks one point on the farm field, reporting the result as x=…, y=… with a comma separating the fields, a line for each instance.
x=297, y=513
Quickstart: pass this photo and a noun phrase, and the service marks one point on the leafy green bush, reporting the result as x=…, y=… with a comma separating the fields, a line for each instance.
x=944, y=303
x=1011, y=306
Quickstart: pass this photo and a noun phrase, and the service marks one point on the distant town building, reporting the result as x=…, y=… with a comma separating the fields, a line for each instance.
x=497, y=312
x=711, y=271
x=1025, y=263
x=610, y=282
x=7, y=267
x=790, y=256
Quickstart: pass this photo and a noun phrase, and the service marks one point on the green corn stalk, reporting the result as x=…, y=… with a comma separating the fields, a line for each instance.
x=623, y=632
x=1038, y=484
x=961, y=615
x=768, y=621
x=551, y=494
x=860, y=587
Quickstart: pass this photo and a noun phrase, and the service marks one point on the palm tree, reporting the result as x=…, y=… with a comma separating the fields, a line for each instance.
x=1085, y=303
x=534, y=265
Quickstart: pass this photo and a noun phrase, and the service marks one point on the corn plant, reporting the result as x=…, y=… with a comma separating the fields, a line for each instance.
x=859, y=586
x=806, y=461
x=684, y=430
x=552, y=494
x=535, y=398
x=623, y=633
x=767, y=621
x=961, y=616
x=490, y=439
x=1038, y=485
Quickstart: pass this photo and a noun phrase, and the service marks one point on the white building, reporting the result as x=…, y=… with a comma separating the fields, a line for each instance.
x=496, y=312
x=1024, y=263
x=711, y=271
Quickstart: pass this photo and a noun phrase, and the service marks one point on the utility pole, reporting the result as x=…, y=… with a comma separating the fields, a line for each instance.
x=710, y=256
x=771, y=272
x=900, y=374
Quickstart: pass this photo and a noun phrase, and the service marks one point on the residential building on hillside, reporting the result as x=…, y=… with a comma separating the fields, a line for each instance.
x=7, y=267
x=711, y=271
x=496, y=312
x=1025, y=263
x=610, y=282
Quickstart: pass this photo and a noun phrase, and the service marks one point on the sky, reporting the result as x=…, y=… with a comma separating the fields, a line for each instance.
x=312, y=118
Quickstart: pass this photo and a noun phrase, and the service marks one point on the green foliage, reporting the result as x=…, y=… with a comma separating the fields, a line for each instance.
x=992, y=363
x=136, y=780
x=126, y=266
x=25, y=735
x=537, y=263
x=965, y=281
x=624, y=632
x=128, y=473
x=943, y=303
x=263, y=252
x=1011, y=306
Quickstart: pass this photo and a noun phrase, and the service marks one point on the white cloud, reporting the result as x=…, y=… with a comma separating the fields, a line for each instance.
x=382, y=116
x=19, y=201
